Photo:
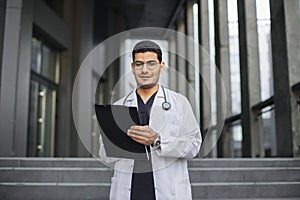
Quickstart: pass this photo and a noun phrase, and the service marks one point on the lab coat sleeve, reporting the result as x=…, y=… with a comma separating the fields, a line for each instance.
x=184, y=139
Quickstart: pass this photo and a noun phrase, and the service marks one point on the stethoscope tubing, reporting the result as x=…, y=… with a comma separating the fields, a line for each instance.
x=165, y=105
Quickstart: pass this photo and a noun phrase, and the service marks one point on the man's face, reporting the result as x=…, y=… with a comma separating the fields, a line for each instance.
x=147, y=69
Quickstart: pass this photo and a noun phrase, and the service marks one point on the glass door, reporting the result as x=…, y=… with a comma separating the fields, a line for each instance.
x=44, y=84
x=42, y=120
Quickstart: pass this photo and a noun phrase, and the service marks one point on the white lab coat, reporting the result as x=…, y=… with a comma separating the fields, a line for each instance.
x=180, y=140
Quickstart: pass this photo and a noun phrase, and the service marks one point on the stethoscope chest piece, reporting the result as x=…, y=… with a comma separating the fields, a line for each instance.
x=166, y=105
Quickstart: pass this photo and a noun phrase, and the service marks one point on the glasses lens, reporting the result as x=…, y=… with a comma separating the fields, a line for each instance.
x=138, y=65
x=150, y=65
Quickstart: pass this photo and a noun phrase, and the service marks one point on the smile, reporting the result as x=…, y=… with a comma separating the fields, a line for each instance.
x=145, y=77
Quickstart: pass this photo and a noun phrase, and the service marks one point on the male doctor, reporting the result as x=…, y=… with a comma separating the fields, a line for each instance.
x=168, y=129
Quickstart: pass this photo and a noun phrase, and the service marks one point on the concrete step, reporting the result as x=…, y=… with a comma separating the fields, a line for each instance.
x=100, y=191
x=207, y=175
x=55, y=191
x=283, y=198
x=87, y=178
x=207, y=162
x=50, y=162
x=238, y=190
x=244, y=162
x=103, y=175
x=56, y=175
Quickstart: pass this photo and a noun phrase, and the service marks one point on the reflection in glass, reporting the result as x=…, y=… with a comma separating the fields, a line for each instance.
x=44, y=60
x=266, y=76
x=265, y=52
x=41, y=120
x=36, y=55
x=269, y=132
x=48, y=63
x=236, y=142
x=45, y=65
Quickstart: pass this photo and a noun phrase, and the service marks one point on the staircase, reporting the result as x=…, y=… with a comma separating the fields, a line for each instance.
x=86, y=178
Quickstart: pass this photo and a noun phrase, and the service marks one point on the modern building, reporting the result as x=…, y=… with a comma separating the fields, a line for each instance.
x=237, y=61
x=252, y=45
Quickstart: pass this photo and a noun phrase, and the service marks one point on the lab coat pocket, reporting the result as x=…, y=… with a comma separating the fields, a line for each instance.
x=183, y=189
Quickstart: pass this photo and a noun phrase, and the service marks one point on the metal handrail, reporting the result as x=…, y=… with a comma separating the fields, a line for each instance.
x=261, y=105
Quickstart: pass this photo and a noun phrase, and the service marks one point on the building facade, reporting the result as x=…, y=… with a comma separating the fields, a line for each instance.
x=243, y=81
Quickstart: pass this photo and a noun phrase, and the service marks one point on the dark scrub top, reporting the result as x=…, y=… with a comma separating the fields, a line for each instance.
x=142, y=185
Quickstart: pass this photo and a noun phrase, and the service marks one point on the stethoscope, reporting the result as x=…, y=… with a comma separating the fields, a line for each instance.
x=165, y=105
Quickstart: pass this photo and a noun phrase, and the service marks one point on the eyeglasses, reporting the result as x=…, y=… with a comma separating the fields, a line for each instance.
x=150, y=65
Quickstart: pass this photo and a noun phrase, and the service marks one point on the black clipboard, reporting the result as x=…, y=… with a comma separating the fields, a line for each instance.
x=114, y=121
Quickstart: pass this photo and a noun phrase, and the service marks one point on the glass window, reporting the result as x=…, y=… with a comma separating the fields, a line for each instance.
x=36, y=46
x=41, y=120
x=44, y=60
x=266, y=75
x=43, y=98
x=49, y=63
x=235, y=78
x=264, y=45
x=233, y=141
x=269, y=132
x=237, y=138
x=234, y=56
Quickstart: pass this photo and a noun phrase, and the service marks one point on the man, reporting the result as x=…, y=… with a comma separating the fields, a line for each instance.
x=168, y=129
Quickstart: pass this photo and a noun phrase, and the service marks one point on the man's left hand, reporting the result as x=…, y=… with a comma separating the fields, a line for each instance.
x=142, y=134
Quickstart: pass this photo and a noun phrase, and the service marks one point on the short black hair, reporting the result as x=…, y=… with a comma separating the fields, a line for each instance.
x=145, y=46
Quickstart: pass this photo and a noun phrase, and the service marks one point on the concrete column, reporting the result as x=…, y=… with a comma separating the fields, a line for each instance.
x=204, y=64
x=2, y=26
x=181, y=62
x=85, y=9
x=65, y=139
x=172, y=63
x=292, y=24
x=9, y=76
x=23, y=83
x=286, y=72
x=250, y=82
x=222, y=62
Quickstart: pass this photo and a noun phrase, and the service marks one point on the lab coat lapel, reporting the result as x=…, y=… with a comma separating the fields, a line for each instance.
x=132, y=99
x=157, y=115
x=159, y=98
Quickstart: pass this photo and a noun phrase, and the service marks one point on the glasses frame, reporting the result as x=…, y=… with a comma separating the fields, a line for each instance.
x=148, y=64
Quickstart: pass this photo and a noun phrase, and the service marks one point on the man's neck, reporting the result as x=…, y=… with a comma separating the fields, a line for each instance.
x=146, y=93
